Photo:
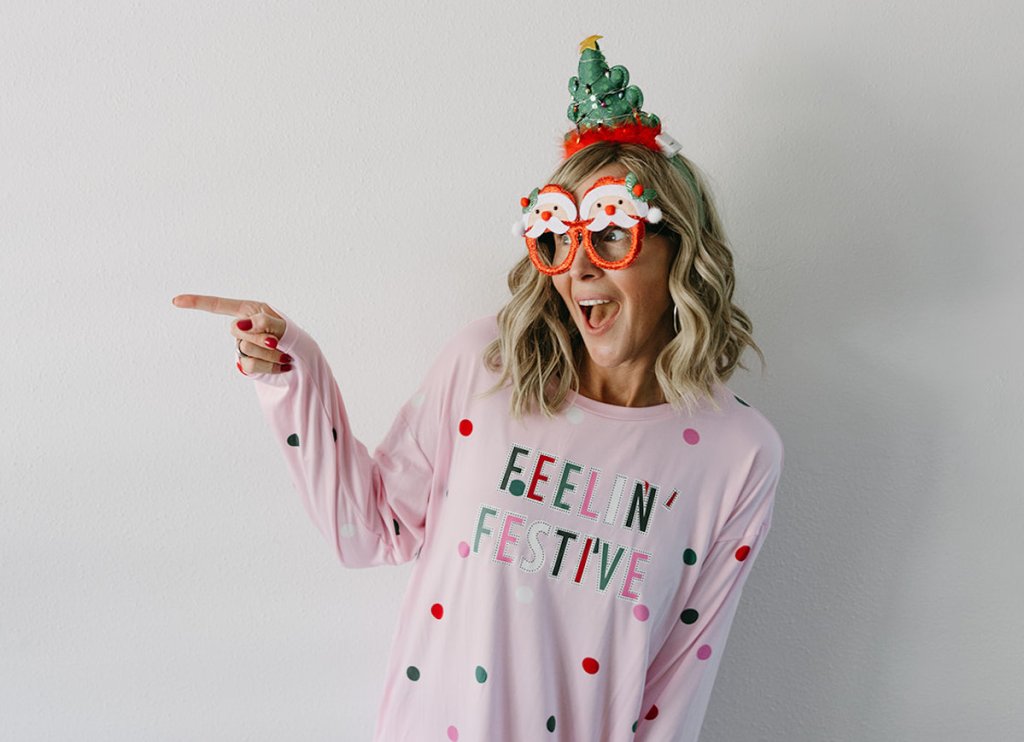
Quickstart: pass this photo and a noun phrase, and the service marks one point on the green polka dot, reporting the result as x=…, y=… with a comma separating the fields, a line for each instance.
x=334, y=433
x=517, y=487
x=688, y=616
x=551, y=723
x=412, y=672
x=741, y=401
x=396, y=527
x=634, y=725
x=481, y=674
x=293, y=439
x=689, y=557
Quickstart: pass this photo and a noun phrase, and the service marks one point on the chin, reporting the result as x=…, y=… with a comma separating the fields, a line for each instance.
x=603, y=356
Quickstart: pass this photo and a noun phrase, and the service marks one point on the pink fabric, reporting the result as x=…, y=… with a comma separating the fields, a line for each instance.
x=574, y=579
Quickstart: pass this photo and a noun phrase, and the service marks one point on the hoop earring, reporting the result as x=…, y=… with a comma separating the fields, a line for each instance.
x=675, y=317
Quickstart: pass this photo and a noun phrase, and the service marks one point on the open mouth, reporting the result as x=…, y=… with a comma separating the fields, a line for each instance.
x=599, y=316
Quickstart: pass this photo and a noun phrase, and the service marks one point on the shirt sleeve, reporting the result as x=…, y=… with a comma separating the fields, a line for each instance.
x=371, y=508
x=679, y=680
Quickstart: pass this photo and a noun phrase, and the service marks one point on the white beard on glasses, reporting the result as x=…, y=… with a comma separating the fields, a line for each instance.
x=554, y=224
x=620, y=219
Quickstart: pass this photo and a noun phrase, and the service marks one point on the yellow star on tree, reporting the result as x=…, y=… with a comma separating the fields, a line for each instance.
x=589, y=43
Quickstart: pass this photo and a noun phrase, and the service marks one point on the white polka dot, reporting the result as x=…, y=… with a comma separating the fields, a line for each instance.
x=593, y=97
x=574, y=415
x=524, y=594
x=348, y=530
x=418, y=399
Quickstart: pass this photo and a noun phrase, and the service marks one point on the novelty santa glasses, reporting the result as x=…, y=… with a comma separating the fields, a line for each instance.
x=609, y=222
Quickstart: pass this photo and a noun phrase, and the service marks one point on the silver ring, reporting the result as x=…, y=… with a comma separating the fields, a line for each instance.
x=238, y=347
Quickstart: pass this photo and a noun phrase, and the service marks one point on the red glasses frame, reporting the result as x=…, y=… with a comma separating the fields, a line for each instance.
x=577, y=228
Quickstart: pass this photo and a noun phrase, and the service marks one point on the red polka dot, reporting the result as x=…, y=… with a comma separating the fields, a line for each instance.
x=691, y=436
x=742, y=553
x=437, y=610
x=590, y=665
x=465, y=427
x=653, y=713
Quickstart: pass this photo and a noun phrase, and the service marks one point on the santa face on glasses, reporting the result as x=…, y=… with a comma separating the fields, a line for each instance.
x=611, y=202
x=550, y=209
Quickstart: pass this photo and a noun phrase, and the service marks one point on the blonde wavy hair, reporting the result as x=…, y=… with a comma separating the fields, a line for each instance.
x=539, y=349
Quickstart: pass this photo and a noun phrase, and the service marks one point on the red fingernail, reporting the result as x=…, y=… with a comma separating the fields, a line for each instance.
x=239, y=364
x=244, y=324
x=285, y=358
x=286, y=367
x=270, y=342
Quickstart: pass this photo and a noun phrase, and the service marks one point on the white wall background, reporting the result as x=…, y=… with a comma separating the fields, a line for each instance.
x=158, y=577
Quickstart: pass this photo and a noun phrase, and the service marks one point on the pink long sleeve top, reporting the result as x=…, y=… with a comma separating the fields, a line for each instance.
x=573, y=579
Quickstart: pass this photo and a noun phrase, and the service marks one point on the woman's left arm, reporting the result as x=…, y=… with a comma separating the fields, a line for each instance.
x=680, y=678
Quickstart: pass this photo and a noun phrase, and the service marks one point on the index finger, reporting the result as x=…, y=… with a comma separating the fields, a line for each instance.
x=217, y=304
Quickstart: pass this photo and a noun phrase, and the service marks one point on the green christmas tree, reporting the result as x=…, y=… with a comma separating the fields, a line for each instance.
x=602, y=95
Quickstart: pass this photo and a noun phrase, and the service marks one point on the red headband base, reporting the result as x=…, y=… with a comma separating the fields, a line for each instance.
x=632, y=133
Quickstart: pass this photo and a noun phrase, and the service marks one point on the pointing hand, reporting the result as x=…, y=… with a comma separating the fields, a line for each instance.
x=258, y=328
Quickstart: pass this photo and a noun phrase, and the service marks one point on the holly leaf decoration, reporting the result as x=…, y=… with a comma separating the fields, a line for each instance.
x=633, y=185
x=534, y=194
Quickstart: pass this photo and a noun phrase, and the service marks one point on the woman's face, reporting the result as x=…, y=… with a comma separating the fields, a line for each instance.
x=637, y=323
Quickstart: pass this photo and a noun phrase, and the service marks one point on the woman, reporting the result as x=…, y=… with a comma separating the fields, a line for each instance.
x=583, y=496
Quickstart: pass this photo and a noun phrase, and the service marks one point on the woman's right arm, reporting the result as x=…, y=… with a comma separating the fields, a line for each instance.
x=372, y=509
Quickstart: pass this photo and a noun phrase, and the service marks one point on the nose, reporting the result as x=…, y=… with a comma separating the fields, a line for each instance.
x=581, y=267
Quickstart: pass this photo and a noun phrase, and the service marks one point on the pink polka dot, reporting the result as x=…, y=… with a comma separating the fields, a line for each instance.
x=641, y=612
x=691, y=436
x=453, y=733
x=704, y=652
x=463, y=549
x=591, y=665
x=743, y=552
x=437, y=610
x=465, y=427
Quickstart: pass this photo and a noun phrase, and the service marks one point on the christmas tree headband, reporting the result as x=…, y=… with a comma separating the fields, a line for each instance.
x=606, y=108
